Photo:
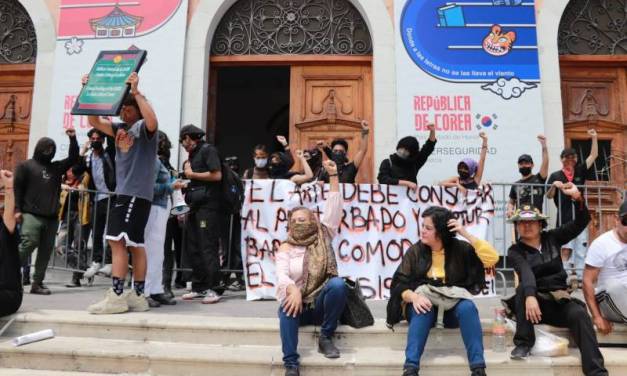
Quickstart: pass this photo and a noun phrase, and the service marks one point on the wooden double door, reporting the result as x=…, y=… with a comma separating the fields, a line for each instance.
x=326, y=101
x=16, y=94
x=594, y=89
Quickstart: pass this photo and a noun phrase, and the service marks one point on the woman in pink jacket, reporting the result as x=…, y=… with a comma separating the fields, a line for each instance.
x=309, y=290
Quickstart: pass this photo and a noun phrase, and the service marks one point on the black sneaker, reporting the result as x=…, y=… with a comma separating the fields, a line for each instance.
x=479, y=371
x=152, y=303
x=520, y=352
x=327, y=348
x=163, y=299
x=167, y=292
x=292, y=371
x=25, y=280
x=76, y=282
x=410, y=371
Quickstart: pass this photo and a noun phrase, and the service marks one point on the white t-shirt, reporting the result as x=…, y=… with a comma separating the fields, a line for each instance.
x=610, y=254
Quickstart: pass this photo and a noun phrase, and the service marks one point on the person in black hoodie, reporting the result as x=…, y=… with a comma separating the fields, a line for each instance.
x=37, y=187
x=403, y=166
x=439, y=259
x=542, y=295
x=10, y=275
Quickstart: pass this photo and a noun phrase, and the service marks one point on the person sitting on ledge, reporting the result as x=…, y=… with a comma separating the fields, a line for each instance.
x=542, y=297
x=309, y=289
x=452, y=269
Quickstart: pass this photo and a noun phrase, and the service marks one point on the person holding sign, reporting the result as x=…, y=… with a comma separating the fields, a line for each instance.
x=309, y=289
x=451, y=268
x=542, y=295
x=402, y=167
x=136, y=150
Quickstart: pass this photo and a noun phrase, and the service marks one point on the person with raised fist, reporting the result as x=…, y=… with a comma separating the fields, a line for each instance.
x=37, y=187
x=309, y=290
x=543, y=295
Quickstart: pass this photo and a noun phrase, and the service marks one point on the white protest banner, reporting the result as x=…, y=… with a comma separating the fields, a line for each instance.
x=379, y=223
x=469, y=66
x=87, y=27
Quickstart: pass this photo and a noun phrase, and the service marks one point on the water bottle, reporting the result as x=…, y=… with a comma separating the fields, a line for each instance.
x=498, y=330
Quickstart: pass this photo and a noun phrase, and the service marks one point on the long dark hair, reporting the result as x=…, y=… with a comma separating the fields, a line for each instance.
x=440, y=217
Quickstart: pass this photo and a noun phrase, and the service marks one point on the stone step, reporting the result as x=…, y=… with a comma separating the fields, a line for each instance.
x=33, y=372
x=114, y=356
x=233, y=331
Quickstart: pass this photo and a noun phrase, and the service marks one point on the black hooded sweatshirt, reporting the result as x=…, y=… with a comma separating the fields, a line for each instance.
x=37, y=181
x=395, y=168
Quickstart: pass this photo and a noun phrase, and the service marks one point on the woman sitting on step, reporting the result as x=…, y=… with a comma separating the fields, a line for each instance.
x=309, y=290
x=439, y=274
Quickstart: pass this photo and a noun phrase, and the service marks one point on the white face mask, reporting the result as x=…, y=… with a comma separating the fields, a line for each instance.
x=261, y=162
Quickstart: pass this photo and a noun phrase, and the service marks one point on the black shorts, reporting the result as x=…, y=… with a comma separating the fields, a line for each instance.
x=127, y=220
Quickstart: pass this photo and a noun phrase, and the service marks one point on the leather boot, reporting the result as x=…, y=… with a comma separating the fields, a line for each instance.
x=327, y=348
x=39, y=289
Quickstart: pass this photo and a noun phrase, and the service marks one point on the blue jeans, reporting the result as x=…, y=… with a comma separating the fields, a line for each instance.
x=464, y=315
x=326, y=312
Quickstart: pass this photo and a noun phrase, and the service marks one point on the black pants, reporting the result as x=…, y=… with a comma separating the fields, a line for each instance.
x=102, y=208
x=202, y=242
x=172, y=252
x=571, y=315
x=10, y=302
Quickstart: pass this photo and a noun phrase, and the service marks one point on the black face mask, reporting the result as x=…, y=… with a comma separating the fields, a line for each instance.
x=525, y=171
x=277, y=169
x=96, y=145
x=463, y=174
x=45, y=150
x=339, y=157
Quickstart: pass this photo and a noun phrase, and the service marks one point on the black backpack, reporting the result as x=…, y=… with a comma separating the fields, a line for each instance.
x=232, y=190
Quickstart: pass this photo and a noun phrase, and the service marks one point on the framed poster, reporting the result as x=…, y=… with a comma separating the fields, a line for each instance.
x=106, y=89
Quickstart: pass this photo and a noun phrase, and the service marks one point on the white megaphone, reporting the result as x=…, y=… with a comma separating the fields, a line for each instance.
x=179, y=205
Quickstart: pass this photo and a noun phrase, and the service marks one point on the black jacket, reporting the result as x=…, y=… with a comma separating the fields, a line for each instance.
x=543, y=271
x=394, y=168
x=37, y=185
x=462, y=268
x=108, y=167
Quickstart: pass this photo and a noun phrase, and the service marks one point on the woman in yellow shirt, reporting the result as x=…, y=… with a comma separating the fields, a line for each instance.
x=440, y=259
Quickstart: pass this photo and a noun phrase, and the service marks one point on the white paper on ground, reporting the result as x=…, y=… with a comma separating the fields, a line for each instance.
x=33, y=337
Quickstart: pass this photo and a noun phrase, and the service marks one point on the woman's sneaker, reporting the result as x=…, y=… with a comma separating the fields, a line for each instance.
x=211, y=297
x=136, y=303
x=194, y=295
x=112, y=303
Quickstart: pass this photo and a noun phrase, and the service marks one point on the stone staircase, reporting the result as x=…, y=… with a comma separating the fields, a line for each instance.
x=181, y=345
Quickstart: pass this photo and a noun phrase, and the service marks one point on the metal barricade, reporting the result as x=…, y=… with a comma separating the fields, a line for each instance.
x=74, y=249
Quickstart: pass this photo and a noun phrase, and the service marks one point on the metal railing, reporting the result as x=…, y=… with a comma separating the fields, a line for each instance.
x=74, y=249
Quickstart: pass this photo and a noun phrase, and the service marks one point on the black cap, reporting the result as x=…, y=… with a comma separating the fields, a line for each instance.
x=525, y=158
x=192, y=131
x=568, y=152
x=623, y=209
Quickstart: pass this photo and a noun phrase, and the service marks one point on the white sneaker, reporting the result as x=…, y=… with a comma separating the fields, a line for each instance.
x=105, y=270
x=136, y=303
x=211, y=297
x=92, y=270
x=112, y=303
x=194, y=295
